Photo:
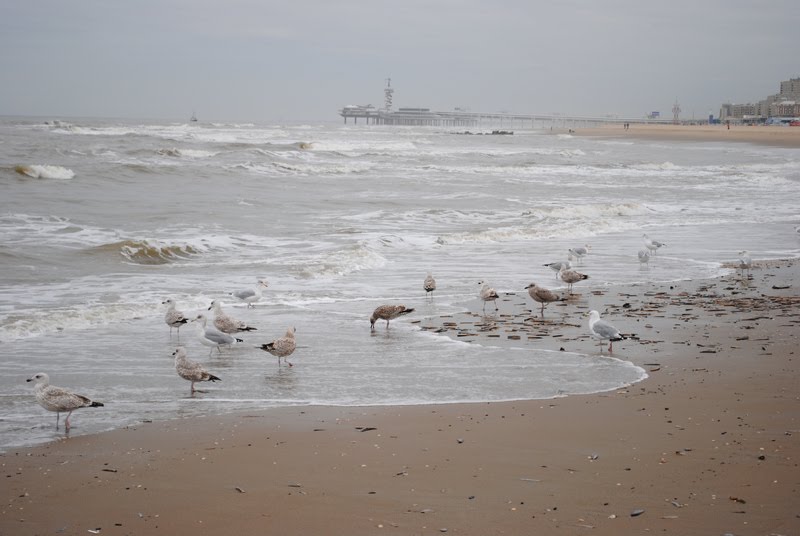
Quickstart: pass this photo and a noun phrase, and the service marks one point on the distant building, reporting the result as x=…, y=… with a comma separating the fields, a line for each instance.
x=784, y=104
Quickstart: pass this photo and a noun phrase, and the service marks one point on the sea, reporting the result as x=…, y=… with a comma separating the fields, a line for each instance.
x=101, y=220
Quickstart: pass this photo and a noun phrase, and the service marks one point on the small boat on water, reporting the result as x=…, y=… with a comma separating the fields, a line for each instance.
x=193, y=119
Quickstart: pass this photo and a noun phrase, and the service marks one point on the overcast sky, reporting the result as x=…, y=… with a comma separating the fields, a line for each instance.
x=264, y=60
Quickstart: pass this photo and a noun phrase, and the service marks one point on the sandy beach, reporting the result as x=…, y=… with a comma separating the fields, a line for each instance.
x=777, y=136
x=709, y=443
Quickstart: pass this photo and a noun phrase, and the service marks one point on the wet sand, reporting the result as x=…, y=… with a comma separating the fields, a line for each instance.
x=708, y=444
x=778, y=136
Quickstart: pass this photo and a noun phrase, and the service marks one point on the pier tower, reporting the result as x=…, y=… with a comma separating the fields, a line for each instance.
x=387, y=95
x=676, y=112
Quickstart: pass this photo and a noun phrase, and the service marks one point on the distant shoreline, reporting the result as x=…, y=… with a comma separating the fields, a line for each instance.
x=775, y=136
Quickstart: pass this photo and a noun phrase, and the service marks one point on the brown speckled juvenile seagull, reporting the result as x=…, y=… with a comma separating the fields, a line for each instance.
x=429, y=285
x=283, y=347
x=570, y=277
x=226, y=323
x=173, y=317
x=60, y=400
x=388, y=312
x=542, y=295
x=191, y=370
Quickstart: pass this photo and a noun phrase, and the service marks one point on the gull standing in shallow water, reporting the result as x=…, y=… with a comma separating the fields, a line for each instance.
x=579, y=252
x=225, y=323
x=651, y=244
x=570, y=277
x=644, y=257
x=487, y=294
x=556, y=266
x=745, y=263
x=429, y=285
x=387, y=312
x=173, y=317
x=56, y=399
x=602, y=330
x=212, y=337
x=283, y=347
x=250, y=296
x=191, y=370
x=542, y=295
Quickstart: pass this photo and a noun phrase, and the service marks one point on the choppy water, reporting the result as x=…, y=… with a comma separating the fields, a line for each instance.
x=103, y=220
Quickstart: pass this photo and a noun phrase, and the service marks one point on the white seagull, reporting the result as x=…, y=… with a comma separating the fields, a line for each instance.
x=387, y=312
x=56, y=399
x=283, y=347
x=745, y=262
x=212, y=337
x=226, y=323
x=556, y=266
x=651, y=244
x=173, y=317
x=602, y=330
x=488, y=294
x=250, y=296
x=579, y=252
x=191, y=370
x=644, y=256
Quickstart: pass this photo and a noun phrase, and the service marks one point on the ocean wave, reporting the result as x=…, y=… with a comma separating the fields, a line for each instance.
x=189, y=153
x=340, y=262
x=304, y=170
x=553, y=222
x=34, y=323
x=150, y=251
x=43, y=171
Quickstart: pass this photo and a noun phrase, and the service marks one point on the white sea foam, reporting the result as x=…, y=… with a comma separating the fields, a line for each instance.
x=43, y=171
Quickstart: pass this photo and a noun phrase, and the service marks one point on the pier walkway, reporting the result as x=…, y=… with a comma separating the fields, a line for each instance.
x=458, y=118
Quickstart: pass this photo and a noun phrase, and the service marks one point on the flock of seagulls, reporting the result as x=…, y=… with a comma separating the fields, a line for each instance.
x=224, y=327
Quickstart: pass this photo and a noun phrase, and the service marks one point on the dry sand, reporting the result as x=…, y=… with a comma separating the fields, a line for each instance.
x=779, y=136
x=709, y=444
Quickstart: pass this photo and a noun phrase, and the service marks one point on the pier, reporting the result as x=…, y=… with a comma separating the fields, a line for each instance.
x=460, y=117
x=370, y=115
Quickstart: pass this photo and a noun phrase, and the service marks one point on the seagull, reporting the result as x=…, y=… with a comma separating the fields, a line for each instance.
x=644, y=256
x=429, y=285
x=283, y=347
x=745, y=262
x=173, y=317
x=579, y=252
x=570, y=277
x=542, y=295
x=600, y=329
x=387, y=312
x=250, y=296
x=652, y=245
x=56, y=399
x=488, y=294
x=212, y=337
x=556, y=266
x=191, y=370
x=225, y=323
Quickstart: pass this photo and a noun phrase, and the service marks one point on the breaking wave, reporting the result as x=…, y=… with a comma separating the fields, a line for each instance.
x=151, y=251
x=340, y=262
x=38, y=171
